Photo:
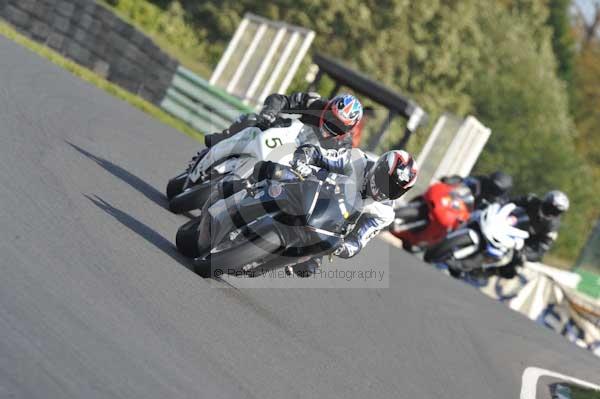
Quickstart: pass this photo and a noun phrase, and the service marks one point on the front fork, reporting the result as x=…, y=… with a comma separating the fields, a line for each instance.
x=191, y=169
x=466, y=251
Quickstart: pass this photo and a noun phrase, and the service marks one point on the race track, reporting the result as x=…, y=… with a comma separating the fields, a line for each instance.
x=96, y=303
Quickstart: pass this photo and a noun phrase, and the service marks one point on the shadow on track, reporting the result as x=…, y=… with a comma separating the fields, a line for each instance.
x=140, y=185
x=143, y=230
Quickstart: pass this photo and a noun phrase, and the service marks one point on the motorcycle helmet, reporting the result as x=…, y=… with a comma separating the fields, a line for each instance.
x=554, y=203
x=340, y=115
x=393, y=174
x=500, y=183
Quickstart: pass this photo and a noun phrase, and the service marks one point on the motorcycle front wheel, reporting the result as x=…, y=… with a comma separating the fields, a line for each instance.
x=408, y=215
x=256, y=247
x=192, y=198
x=186, y=239
x=413, y=211
x=444, y=250
x=175, y=185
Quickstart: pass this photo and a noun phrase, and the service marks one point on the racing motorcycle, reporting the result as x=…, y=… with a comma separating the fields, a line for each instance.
x=428, y=218
x=273, y=224
x=189, y=190
x=486, y=243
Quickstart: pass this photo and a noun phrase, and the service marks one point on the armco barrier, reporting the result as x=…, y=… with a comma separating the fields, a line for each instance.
x=548, y=296
x=200, y=104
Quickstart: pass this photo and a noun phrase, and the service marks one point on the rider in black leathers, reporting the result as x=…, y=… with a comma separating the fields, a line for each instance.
x=544, y=221
x=313, y=110
x=487, y=189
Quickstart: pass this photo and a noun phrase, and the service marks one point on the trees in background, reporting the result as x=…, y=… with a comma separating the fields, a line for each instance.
x=586, y=85
x=586, y=103
x=508, y=62
x=521, y=97
x=563, y=40
x=585, y=92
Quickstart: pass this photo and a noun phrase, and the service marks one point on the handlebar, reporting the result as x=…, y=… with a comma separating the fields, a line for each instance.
x=297, y=174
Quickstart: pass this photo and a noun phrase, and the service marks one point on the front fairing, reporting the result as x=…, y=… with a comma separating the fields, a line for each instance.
x=329, y=216
x=312, y=215
x=289, y=202
x=329, y=203
x=339, y=205
x=500, y=237
x=447, y=204
x=276, y=144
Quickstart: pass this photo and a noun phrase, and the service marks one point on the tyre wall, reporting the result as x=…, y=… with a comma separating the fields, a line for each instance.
x=93, y=36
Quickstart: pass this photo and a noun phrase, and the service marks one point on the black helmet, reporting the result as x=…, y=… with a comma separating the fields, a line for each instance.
x=393, y=174
x=500, y=184
x=554, y=203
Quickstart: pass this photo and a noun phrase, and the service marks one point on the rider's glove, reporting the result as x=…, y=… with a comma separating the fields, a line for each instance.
x=306, y=153
x=302, y=168
x=265, y=119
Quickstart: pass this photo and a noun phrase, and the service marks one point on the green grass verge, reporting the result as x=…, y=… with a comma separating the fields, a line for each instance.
x=91, y=77
x=589, y=284
x=582, y=393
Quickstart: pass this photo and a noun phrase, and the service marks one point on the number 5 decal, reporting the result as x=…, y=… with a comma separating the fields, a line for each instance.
x=274, y=142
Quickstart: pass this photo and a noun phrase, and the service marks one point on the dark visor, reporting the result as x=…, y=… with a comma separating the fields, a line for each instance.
x=388, y=187
x=550, y=210
x=333, y=128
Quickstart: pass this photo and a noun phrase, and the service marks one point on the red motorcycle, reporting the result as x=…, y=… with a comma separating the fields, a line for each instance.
x=428, y=218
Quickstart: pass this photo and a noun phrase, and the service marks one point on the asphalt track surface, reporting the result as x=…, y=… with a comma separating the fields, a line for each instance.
x=96, y=303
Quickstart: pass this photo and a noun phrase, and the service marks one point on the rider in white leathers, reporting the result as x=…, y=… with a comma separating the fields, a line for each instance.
x=380, y=182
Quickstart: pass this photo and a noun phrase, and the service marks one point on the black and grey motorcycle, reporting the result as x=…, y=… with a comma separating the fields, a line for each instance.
x=273, y=224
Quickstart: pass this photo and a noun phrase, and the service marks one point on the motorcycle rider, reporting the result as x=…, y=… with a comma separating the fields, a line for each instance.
x=328, y=123
x=333, y=119
x=487, y=189
x=380, y=182
x=544, y=220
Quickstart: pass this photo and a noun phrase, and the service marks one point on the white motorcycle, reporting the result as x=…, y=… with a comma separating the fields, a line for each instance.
x=236, y=157
x=486, y=243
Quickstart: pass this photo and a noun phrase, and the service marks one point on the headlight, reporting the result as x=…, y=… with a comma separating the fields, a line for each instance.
x=275, y=190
